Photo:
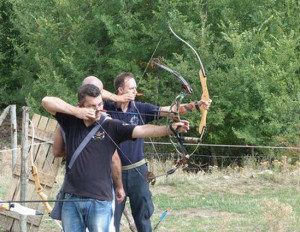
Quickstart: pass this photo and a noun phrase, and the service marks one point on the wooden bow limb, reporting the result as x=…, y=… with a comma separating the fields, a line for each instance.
x=205, y=94
x=39, y=189
x=205, y=97
x=15, y=207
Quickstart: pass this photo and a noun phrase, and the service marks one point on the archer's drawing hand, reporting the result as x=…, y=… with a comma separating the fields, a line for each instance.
x=120, y=195
x=182, y=126
x=206, y=104
x=85, y=113
x=127, y=97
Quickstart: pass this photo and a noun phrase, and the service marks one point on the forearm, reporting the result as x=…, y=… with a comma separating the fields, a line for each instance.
x=116, y=170
x=145, y=131
x=183, y=108
x=106, y=95
x=150, y=131
x=54, y=105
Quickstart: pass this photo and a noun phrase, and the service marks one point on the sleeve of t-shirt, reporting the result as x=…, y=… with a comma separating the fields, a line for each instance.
x=64, y=120
x=121, y=130
x=108, y=105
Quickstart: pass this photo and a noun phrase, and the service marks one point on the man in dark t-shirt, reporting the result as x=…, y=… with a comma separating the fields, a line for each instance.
x=131, y=153
x=89, y=180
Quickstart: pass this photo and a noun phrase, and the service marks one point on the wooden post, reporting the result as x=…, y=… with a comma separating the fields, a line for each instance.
x=14, y=135
x=130, y=220
x=214, y=156
x=3, y=115
x=24, y=165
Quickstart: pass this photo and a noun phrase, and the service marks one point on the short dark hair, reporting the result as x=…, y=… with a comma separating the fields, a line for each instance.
x=87, y=90
x=120, y=79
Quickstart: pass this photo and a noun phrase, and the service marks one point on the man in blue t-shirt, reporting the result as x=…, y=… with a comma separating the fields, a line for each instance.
x=131, y=153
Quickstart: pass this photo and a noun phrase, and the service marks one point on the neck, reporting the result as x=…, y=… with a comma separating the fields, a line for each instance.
x=90, y=121
x=123, y=105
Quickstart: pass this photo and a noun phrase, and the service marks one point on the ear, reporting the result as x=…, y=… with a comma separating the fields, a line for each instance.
x=79, y=104
x=120, y=90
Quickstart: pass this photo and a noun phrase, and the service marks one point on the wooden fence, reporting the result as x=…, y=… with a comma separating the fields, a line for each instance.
x=48, y=167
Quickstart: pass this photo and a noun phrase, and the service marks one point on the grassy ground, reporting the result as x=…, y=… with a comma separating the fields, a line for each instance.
x=259, y=197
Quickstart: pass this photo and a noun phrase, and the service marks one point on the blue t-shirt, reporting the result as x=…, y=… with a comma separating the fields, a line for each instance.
x=137, y=114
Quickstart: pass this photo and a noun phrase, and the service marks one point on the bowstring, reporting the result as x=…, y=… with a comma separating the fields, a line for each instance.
x=200, y=62
x=175, y=145
x=151, y=141
x=140, y=79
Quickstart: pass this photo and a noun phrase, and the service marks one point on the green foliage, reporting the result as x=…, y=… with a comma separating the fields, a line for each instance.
x=9, y=84
x=249, y=48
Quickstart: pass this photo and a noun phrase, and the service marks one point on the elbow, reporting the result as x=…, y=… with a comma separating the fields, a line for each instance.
x=58, y=153
x=55, y=152
x=45, y=103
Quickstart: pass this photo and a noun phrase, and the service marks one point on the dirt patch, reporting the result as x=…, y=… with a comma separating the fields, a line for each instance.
x=5, y=131
x=204, y=213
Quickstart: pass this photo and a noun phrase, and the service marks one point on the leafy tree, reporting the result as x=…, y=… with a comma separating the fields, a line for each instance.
x=250, y=50
x=9, y=84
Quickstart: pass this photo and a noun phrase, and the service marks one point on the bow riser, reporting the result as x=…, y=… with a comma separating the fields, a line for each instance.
x=205, y=97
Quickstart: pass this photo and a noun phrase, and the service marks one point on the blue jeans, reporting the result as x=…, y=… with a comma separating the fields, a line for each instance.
x=137, y=189
x=113, y=205
x=92, y=214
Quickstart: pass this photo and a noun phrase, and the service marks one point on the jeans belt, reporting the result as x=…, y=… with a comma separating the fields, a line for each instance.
x=135, y=165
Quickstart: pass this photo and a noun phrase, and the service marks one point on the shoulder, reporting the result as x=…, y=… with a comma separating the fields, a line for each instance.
x=61, y=116
x=144, y=105
x=147, y=107
x=117, y=126
x=108, y=104
x=111, y=123
x=67, y=121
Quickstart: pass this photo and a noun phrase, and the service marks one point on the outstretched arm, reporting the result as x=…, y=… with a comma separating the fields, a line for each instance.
x=146, y=131
x=184, y=108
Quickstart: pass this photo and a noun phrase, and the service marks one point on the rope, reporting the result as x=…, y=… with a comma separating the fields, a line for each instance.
x=34, y=144
x=210, y=156
x=187, y=144
x=228, y=145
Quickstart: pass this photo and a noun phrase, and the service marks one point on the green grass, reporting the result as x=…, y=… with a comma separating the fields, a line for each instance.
x=231, y=202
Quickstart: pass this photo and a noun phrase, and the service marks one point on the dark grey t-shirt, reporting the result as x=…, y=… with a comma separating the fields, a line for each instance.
x=90, y=175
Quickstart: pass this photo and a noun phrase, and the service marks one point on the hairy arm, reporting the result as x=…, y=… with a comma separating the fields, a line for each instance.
x=55, y=104
x=184, y=108
x=149, y=131
x=106, y=95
